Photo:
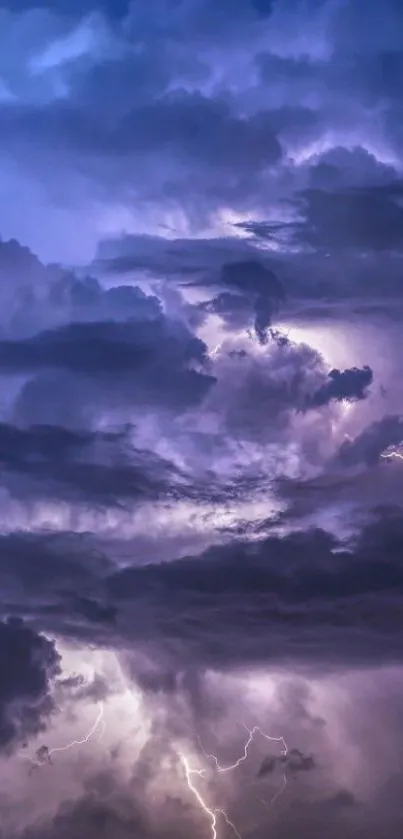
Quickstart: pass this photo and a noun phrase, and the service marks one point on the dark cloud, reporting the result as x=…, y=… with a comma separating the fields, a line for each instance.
x=346, y=168
x=366, y=218
x=28, y=663
x=38, y=297
x=342, y=799
x=264, y=7
x=156, y=454
x=346, y=384
x=190, y=118
x=78, y=369
x=367, y=280
x=48, y=569
x=96, y=467
x=95, y=349
x=262, y=286
x=306, y=596
x=183, y=258
x=199, y=131
x=107, y=363
x=189, y=126
x=234, y=309
x=95, y=612
x=89, y=818
x=85, y=299
x=59, y=326
x=368, y=446
x=309, y=283
x=294, y=762
x=268, y=766
x=298, y=762
x=253, y=278
x=18, y=260
x=243, y=602
x=255, y=293
x=167, y=135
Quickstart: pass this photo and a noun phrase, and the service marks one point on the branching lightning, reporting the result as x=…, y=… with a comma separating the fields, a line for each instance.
x=251, y=733
x=213, y=813
x=210, y=812
x=44, y=754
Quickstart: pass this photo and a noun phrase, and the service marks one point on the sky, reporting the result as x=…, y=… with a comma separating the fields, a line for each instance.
x=201, y=419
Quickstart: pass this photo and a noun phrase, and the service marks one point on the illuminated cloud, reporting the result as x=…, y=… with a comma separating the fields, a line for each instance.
x=201, y=531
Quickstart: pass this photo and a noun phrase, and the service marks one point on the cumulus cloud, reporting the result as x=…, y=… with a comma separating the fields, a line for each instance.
x=260, y=395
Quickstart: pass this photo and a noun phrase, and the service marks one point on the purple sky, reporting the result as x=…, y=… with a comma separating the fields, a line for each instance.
x=201, y=419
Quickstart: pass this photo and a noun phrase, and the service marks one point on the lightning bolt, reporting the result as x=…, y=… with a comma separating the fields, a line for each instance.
x=385, y=455
x=394, y=453
x=70, y=745
x=278, y=793
x=212, y=813
x=190, y=772
x=251, y=734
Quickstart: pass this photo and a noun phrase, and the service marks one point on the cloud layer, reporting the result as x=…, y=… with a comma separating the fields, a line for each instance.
x=201, y=421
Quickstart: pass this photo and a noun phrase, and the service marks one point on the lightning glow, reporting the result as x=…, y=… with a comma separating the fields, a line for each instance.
x=346, y=406
x=47, y=753
x=213, y=814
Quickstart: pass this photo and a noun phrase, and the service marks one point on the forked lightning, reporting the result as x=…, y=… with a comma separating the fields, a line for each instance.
x=213, y=813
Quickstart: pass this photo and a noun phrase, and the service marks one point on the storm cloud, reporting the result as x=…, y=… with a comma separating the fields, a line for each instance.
x=201, y=528
x=28, y=664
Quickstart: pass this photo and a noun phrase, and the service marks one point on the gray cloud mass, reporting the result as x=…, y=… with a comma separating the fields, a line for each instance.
x=201, y=402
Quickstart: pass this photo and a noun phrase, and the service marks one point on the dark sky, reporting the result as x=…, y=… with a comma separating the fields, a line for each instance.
x=201, y=419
